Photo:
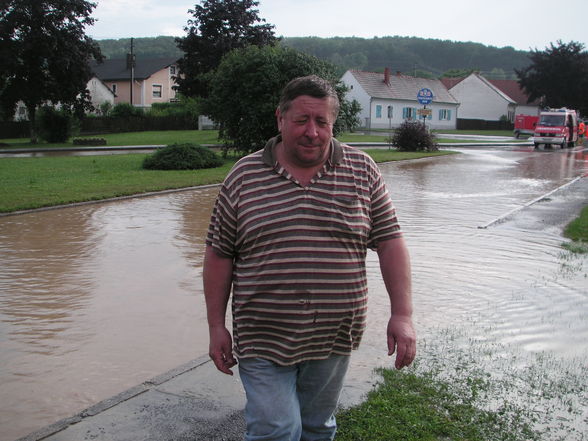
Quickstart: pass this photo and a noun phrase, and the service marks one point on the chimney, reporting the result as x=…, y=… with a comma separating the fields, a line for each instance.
x=387, y=76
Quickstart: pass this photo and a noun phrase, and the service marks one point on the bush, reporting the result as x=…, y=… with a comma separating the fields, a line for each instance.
x=413, y=136
x=54, y=125
x=125, y=110
x=105, y=108
x=182, y=157
x=89, y=141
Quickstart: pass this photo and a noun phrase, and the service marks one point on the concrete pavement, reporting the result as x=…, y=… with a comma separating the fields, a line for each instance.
x=192, y=402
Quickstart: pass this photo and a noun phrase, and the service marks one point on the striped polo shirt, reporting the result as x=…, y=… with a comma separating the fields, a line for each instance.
x=299, y=278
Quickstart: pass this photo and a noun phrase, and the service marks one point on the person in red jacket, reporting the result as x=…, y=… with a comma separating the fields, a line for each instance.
x=581, y=131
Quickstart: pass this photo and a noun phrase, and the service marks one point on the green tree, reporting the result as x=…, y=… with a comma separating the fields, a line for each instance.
x=558, y=76
x=218, y=27
x=245, y=109
x=45, y=54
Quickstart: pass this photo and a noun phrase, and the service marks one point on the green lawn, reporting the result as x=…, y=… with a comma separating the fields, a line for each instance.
x=202, y=137
x=129, y=138
x=27, y=183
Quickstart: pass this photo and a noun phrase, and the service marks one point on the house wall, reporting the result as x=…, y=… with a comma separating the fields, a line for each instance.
x=121, y=90
x=158, y=88
x=145, y=91
x=99, y=92
x=444, y=115
x=369, y=116
x=479, y=101
x=356, y=92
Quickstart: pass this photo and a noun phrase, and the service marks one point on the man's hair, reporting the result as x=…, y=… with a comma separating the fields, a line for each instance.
x=311, y=85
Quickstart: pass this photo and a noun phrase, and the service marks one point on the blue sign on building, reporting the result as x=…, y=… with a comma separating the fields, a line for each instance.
x=425, y=96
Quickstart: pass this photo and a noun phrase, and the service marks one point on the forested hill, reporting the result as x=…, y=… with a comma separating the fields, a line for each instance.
x=410, y=55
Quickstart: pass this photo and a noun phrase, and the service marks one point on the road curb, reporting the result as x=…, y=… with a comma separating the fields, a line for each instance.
x=115, y=400
x=505, y=216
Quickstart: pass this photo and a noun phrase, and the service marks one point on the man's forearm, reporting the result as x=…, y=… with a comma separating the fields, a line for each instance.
x=217, y=278
x=396, y=272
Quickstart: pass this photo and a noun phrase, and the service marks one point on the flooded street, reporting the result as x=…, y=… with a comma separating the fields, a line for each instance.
x=98, y=298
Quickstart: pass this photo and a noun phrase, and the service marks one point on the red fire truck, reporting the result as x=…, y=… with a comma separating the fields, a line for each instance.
x=525, y=125
x=556, y=126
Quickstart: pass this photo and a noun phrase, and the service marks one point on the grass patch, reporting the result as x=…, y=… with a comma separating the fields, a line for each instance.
x=384, y=155
x=577, y=230
x=418, y=407
x=164, y=137
x=167, y=137
x=28, y=183
x=463, y=389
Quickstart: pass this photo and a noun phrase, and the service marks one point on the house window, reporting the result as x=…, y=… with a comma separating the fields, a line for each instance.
x=157, y=91
x=409, y=112
x=172, y=70
x=378, y=111
x=114, y=89
x=444, y=115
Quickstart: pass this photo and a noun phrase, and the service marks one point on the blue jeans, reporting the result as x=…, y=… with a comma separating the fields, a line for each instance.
x=292, y=403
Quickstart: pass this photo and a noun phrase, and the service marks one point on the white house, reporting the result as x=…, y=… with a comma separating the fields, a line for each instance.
x=388, y=100
x=99, y=92
x=489, y=100
x=518, y=95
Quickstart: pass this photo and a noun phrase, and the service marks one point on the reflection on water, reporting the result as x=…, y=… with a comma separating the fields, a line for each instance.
x=95, y=299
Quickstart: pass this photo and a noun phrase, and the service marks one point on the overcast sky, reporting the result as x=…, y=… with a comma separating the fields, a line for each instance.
x=522, y=24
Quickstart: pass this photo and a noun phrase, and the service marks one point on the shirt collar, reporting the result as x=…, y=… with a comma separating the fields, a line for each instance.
x=269, y=157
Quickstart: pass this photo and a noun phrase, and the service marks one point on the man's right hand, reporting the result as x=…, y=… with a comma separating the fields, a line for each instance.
x=221, y=349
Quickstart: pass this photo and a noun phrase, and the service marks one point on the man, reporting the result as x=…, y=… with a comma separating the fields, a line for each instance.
x=289, y=234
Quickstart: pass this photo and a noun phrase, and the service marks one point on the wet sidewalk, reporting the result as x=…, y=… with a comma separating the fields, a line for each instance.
x=192, y=402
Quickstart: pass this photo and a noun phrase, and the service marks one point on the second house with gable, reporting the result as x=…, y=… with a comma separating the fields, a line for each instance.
x=387, y=100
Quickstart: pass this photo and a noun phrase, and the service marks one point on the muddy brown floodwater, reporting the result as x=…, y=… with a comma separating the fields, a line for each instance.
x=95, y=299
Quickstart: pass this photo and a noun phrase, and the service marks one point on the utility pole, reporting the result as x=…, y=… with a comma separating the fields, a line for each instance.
x=131, y=65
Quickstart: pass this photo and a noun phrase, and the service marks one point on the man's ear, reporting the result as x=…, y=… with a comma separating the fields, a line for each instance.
x=279, y=119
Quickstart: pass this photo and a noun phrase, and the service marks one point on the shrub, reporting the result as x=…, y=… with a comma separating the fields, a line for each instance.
x=89, y=141
x=182, y=157
x=105, y=108
x=125, y=110
x=413, y=136
x=54, y=125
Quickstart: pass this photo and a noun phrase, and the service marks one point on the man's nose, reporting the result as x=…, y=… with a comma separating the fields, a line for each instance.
x=311, y=129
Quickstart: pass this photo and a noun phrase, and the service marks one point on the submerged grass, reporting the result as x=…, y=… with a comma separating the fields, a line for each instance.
x=467, y=390
x=577, y=231
x=419, y=407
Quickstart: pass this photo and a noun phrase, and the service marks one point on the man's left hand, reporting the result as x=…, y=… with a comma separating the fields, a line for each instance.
x=402, y=340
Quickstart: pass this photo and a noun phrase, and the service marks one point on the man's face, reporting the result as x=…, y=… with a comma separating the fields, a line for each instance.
x=307, y=129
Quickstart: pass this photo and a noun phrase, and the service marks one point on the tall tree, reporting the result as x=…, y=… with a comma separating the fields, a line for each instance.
x=245, y=109
x=218, y=27
x=558, y=76
x=45, y=54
